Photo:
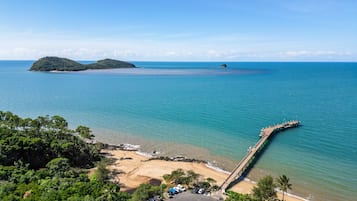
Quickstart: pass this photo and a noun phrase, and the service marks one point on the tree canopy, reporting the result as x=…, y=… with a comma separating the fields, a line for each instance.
x=233, y=196
x=265, y=189
x=64, y=64
x=38, y=141
x=41, y=159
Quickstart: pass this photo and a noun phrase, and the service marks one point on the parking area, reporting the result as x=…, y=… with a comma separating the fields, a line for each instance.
x=188, y=196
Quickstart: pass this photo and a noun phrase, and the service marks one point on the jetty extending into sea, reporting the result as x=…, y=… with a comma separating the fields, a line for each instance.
x=265, y=134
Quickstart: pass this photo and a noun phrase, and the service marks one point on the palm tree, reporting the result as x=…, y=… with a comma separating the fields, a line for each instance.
x=193, y=176
x=283, y=184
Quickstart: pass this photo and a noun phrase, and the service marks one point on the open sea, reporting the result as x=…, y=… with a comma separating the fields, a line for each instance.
x=207, y=112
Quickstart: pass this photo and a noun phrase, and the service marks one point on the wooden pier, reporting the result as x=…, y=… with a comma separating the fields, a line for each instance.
x=265, y=134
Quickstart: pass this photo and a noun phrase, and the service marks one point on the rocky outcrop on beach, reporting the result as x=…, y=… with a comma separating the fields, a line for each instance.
x=177, y=158
x=131, y=147
x=124, y=147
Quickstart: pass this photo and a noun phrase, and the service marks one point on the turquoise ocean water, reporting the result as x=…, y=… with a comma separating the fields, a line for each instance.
x=221, y=110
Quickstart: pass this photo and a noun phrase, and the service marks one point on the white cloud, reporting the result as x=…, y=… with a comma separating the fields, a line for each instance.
x=314, y=54
x=179, y=47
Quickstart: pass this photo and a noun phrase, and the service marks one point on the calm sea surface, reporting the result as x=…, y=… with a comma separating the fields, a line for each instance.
x=219, y=110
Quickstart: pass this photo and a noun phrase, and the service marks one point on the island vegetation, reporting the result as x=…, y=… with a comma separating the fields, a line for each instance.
x=64, y=64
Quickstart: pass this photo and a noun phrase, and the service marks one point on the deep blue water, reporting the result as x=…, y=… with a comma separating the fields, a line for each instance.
x=221, y=110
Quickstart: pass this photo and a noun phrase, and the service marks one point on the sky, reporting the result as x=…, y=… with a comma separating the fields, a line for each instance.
x=180, y=30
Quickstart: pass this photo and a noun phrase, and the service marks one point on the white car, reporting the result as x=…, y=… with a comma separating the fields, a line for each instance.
x=201, y=191
x=180, y=188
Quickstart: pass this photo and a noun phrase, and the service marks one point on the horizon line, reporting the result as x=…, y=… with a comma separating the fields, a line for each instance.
x=208, y=61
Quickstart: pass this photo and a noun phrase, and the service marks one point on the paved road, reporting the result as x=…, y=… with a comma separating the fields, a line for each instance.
x=188, y=196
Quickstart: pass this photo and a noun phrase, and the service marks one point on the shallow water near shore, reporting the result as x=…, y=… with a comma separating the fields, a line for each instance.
x=150, y=148
x=212, y=112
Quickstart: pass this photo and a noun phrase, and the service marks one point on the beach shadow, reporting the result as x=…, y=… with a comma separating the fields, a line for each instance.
x=109, y=158
x=107, y=154
x=126, y=158
x=128, y=190
x=116, y=172
x=155, y=182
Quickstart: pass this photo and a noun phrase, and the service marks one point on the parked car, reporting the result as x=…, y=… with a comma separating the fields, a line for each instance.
x=201, y=191
x=155, y=198
x=181, y=188
x=173, y=191
x=169, y=195
x=195, y=190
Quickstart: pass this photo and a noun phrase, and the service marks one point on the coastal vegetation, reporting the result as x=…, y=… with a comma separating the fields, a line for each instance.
x=265, y=189
x=283, y=184
x=234, y=196
x=147, y=191
x=190, y=179
x=64, y=64
x=42, y=159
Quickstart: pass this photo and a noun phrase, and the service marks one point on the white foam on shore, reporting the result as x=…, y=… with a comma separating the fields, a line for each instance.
x=295, y=196
x=145, y=154
x=215, y=168
x=130, y=147
x=249, y=180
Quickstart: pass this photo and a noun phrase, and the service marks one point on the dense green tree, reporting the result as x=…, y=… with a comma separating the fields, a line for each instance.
x=265, y=189
x=101, y=174
x=193, y=175
x=212, y=184
x=58, y=122
x=174, y=177
x=181, y=177
x=233, y=196
x=41, y=159
x=204, y=184
x=58, y=166
x=283, y=184
x=85, y=132
x=146, y=191
x=37, y=141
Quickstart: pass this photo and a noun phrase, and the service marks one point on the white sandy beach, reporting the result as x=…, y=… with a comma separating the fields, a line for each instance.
x=136, y=169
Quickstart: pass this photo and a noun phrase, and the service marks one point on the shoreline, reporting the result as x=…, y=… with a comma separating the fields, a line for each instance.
x=167, y=149
x=136, y=167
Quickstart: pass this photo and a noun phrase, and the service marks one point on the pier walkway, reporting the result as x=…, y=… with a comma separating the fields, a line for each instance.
x=265, y=134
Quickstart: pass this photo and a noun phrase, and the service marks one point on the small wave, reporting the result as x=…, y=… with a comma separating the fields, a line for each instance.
x=211, y=166
x=145, y=154
x=249, y=180
x=129, y=147
x=295, y=196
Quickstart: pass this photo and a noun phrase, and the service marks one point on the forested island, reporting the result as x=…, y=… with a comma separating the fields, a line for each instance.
x=64, y=64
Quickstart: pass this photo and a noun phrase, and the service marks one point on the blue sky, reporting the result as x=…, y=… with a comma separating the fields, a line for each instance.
x=180, y=30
